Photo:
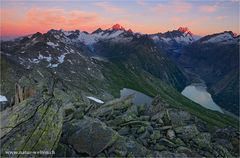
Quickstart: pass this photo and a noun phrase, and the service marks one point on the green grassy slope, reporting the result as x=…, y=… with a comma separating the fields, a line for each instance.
x=120, y=77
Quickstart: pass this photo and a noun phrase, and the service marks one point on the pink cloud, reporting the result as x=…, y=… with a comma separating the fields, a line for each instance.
x=208, y=8
x=110, y=8
x=141, y=2
x=173, y=6
x=221, y=17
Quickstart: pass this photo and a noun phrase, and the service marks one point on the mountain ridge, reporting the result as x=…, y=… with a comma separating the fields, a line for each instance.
x=184, y=30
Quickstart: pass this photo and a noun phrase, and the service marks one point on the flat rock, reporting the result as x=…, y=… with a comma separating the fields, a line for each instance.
x=91, y=136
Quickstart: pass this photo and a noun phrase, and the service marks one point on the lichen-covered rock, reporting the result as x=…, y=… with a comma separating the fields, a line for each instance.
x=125, y=147
x=33, y=125
x=158, y=105
x=169, y=154
x=179, y=117
x=186, y=132
x=203, y=140
x=170, y=134
x=187, y=151
x=221, y=151
x=90, y=136
x=167, y=143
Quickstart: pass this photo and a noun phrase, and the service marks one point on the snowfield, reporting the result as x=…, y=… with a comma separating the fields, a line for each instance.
x=96, y=100
x=3, y=98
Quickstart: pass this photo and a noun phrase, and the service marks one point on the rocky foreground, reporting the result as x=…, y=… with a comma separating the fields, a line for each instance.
x=46, y=116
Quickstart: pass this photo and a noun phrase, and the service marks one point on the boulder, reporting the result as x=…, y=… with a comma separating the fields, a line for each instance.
x=166, y=142
x=91, y=136
x=170, y=134
x=156, y=135
x=124, y=130
x=157, y=116
x=186, y=132
x=221, y=151
x=203, y=140
x=125, y=147
x=69, y=109
x=160, y=147
x=179, y=117
x=168, y=154
x=158, y=105
x=141, y=130
x=187, y=151
x=179, y=142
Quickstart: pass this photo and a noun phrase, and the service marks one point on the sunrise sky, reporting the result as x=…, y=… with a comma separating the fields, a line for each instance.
x=19, y=17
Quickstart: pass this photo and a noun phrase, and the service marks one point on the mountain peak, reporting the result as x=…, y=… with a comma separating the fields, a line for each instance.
x=130, y=31
x=97, y=31
x=185, y=30
x=117, y=27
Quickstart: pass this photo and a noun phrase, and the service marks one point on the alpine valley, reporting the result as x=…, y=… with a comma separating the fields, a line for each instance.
x=60, y=93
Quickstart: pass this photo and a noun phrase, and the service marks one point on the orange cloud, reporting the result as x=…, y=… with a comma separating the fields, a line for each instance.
x=110, y=8
x=44, y=19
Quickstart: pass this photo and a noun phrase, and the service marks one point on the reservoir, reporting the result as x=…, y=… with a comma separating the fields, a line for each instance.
x=198, y=93
x=139, y=98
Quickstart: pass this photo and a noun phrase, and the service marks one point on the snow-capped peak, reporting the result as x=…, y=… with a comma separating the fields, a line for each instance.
x=180, y=36
x=226, y=37
x=185, y=30
x=117, y=27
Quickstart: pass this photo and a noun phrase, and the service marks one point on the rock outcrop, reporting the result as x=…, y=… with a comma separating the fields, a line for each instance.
x=23, y=90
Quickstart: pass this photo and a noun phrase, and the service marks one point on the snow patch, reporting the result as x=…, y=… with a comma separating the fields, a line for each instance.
x=3, y=98
x=53, y=65
x=155, y=38
x=225, y=37
x=40, y=57
x=184, y=39
x=61, y=58
x=166, y=39
x=99, y=58
x=96, y=100
x=52, y=44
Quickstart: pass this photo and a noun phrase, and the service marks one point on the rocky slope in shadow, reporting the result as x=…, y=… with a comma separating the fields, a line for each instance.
x=64, y=124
